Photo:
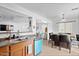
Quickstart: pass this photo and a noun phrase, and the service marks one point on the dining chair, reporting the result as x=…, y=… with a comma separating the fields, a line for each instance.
x=65, y=42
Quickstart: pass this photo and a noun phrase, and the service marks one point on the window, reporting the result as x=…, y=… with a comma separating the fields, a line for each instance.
x=65, y=27
x=68, y=27
x=61, y=28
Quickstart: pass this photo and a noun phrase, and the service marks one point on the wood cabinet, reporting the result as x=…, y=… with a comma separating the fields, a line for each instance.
x=23, y=48
x=29, y=48
x=18, y=49
x=4, y=51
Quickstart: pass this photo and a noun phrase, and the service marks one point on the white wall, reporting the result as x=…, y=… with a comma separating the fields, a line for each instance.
x=27, y=13
x=50, y=28
x=77, y=26
x=19, y=23
x=55, y=25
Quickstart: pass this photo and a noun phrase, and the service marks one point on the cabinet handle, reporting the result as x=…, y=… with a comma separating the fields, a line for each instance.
x=27, y=49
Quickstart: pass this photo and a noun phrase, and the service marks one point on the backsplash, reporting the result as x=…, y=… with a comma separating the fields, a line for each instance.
x=4, y=35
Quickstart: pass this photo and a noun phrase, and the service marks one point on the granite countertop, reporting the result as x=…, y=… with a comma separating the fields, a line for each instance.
x=10, y=42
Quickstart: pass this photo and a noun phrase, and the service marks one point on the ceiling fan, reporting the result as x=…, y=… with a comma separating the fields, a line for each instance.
x=75, y=9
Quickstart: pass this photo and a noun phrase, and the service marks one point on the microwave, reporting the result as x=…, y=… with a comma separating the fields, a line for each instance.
x=4, y=27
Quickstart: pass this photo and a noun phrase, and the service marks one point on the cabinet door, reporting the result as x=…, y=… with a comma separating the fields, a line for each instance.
x=30, y=48
x=4, y=51
x=17, y=49
x=18, y=52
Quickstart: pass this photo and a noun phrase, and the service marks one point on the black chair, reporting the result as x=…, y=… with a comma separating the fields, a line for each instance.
x=77, y=36
x=49, y=35
x=55, y=40
x=64, y=42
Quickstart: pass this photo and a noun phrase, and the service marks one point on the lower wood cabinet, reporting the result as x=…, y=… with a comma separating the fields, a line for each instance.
x=18, y=49
x=4, y=51
x=24, y=48
x=30, y=47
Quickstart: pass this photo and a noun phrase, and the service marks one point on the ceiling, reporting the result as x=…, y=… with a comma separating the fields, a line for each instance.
x=52, y=10
x=48, y=10
x=7, y=12
x=10, y=15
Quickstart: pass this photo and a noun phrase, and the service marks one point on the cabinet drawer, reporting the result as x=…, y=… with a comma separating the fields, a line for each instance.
x=4, y=49
x=17, y=46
